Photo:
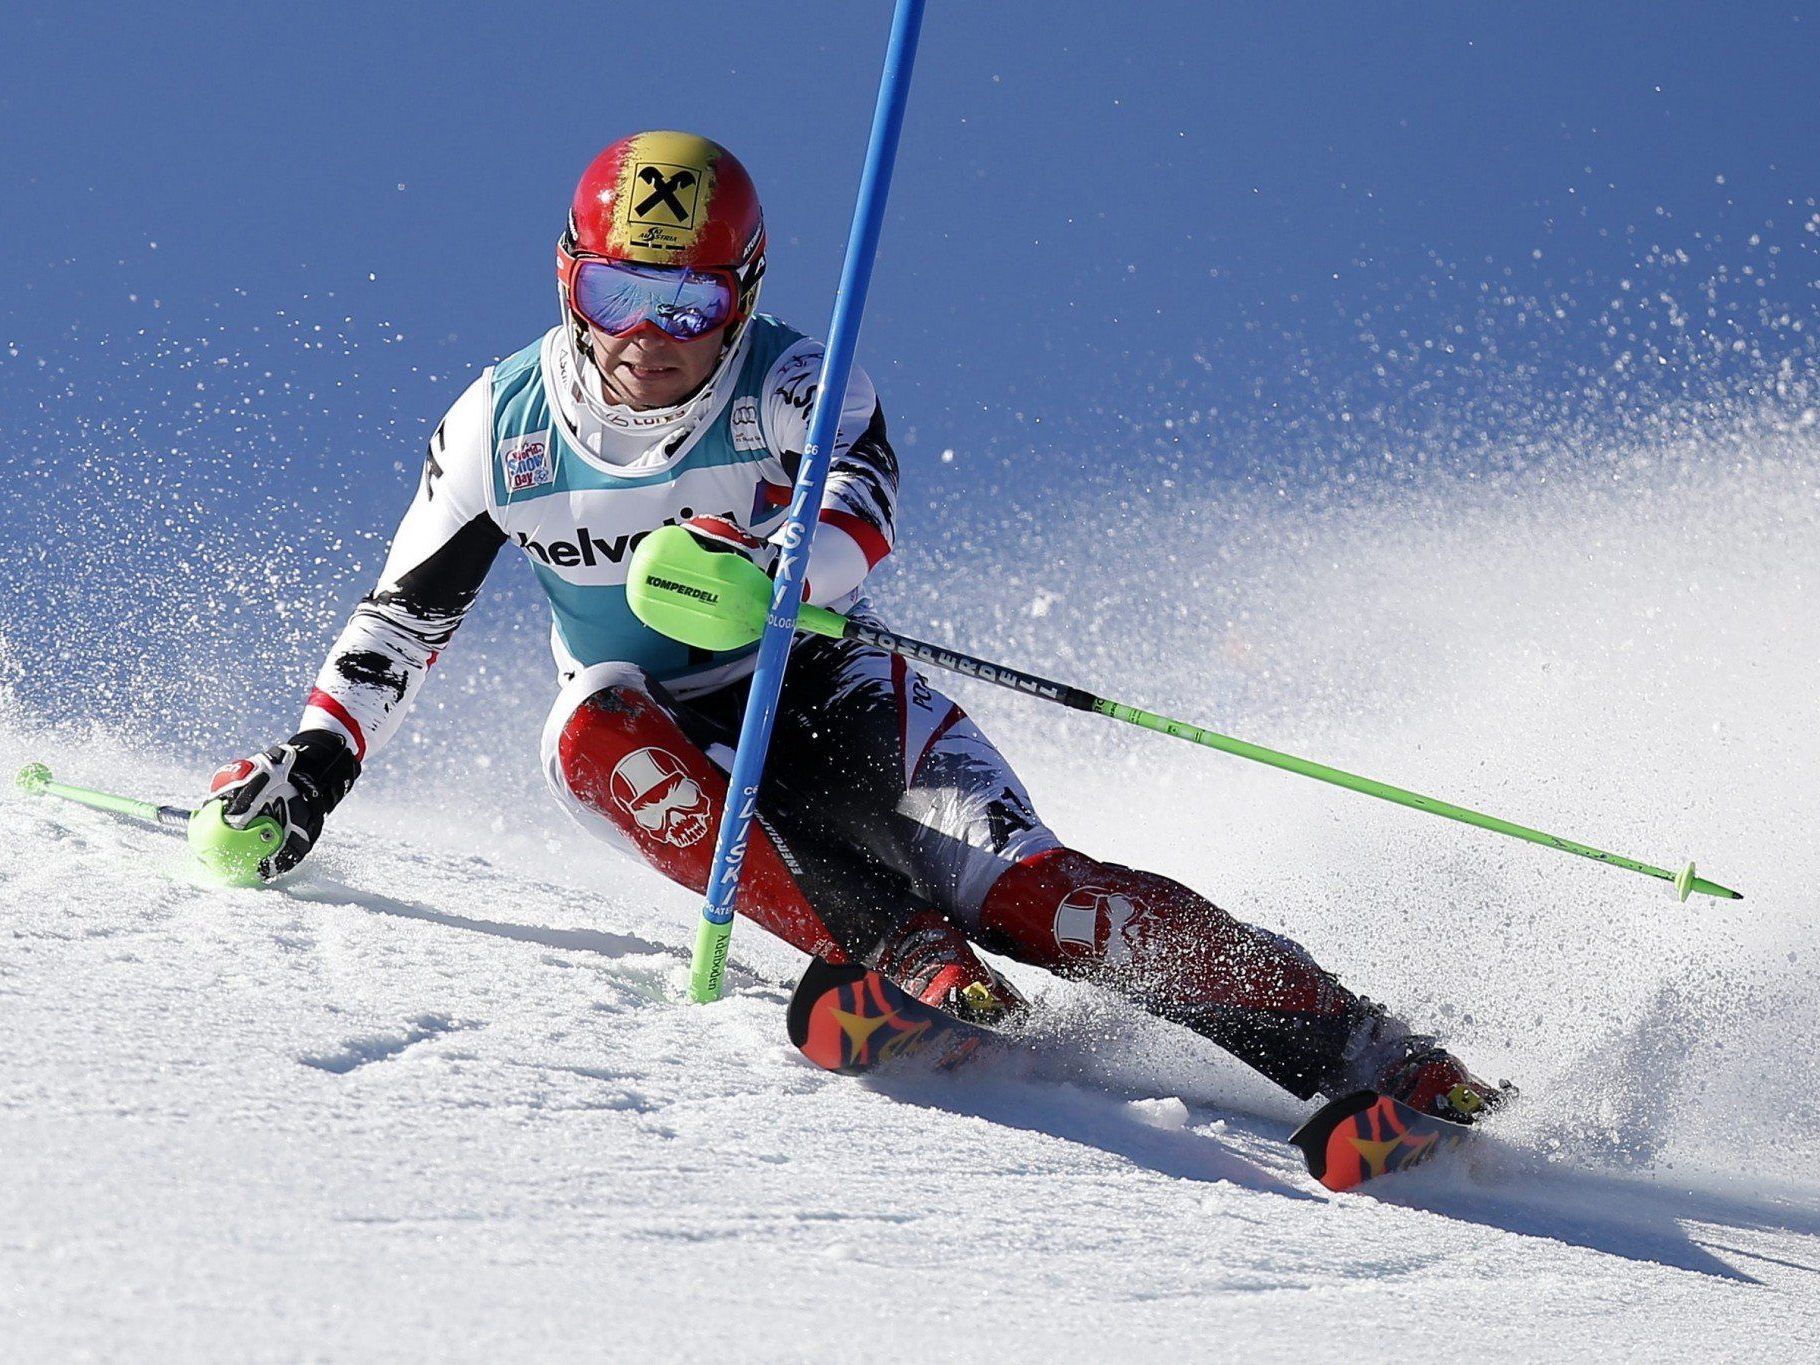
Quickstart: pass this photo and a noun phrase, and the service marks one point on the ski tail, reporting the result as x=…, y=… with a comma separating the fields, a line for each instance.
x=1362, y=1136
x=851, y=1019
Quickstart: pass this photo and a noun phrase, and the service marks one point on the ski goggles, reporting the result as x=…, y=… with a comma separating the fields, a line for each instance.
x=619, y=297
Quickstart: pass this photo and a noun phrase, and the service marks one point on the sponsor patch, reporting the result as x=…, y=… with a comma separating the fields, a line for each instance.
x=747, y=433
x=526, y=461
x=796, y=381
x=664, y=195
x=654, y=788
x=1092, y=916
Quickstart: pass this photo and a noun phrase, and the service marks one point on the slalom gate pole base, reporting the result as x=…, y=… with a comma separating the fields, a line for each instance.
x=708, y=968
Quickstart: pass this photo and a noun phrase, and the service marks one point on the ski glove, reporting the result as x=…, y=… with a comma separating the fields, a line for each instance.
x=718, y=534
x=297, y=783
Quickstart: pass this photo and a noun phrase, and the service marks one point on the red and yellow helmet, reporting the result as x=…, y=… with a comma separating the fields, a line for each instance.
x=667, y=199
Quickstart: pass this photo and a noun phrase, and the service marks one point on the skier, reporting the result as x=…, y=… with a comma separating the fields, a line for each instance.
x=890, y=831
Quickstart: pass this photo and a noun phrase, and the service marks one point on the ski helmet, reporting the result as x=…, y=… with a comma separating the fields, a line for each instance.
x=666, y=199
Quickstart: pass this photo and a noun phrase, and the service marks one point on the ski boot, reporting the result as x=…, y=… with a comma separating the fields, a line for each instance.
x=1412, y=1068
x=933, y=962
x=1433, y=1081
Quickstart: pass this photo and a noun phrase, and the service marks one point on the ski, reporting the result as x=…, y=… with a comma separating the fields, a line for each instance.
x=1365, y=1135
x=851, y=1019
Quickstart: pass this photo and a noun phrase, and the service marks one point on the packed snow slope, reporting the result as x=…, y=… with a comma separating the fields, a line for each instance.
x=436, y=1095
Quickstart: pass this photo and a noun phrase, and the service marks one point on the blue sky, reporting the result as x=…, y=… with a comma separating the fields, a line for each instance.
x=1083, y=201
x=248, y=252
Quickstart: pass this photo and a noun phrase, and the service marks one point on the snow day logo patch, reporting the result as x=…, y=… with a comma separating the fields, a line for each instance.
x=527, y=461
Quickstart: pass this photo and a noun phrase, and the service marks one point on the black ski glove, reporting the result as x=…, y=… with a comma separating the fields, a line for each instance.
x=297, y=783
x=723, y=537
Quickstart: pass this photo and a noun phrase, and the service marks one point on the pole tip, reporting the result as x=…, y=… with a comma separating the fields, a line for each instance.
x=1686, y=883
x=33, y=777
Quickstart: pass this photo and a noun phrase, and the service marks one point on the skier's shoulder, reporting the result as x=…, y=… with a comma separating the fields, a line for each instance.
x=790, y=363
x=465, y=429
x=505, y=383
x=772, y=346
x=519, y=384
x=507, y=392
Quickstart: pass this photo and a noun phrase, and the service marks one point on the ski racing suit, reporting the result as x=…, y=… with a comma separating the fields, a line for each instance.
x=882, y=800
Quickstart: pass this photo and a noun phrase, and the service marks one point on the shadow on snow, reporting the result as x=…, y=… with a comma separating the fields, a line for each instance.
x=1486, y=1183
x=327, y=891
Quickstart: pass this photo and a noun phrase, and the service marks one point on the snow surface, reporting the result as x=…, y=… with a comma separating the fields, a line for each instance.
x=437, y=1097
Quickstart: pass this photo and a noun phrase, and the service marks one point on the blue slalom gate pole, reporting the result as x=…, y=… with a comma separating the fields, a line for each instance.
x=716, y=930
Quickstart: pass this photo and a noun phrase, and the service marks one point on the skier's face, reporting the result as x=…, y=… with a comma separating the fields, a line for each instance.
x=649, y=368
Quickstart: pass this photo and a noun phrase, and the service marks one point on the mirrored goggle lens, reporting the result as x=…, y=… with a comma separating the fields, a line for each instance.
x=686, y=303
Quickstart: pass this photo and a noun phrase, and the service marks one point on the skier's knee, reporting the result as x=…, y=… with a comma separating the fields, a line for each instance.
x=621, y=755
x=617, y=758
x=622, y=764
x=595, y=701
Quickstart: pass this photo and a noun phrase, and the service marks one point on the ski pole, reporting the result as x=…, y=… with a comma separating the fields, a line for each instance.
x=231, y=855
x=717, y=601
x=785, y=595
x=35, y=779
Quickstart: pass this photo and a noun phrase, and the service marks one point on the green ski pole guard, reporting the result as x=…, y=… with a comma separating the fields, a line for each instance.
x=232, y=855
x=708, y=599
x=229, y=855
x=718, y=599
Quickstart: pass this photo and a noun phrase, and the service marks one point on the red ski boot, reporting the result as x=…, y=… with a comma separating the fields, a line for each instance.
x=933, y=961
x=1430, y=1079
x=1412, y=1068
